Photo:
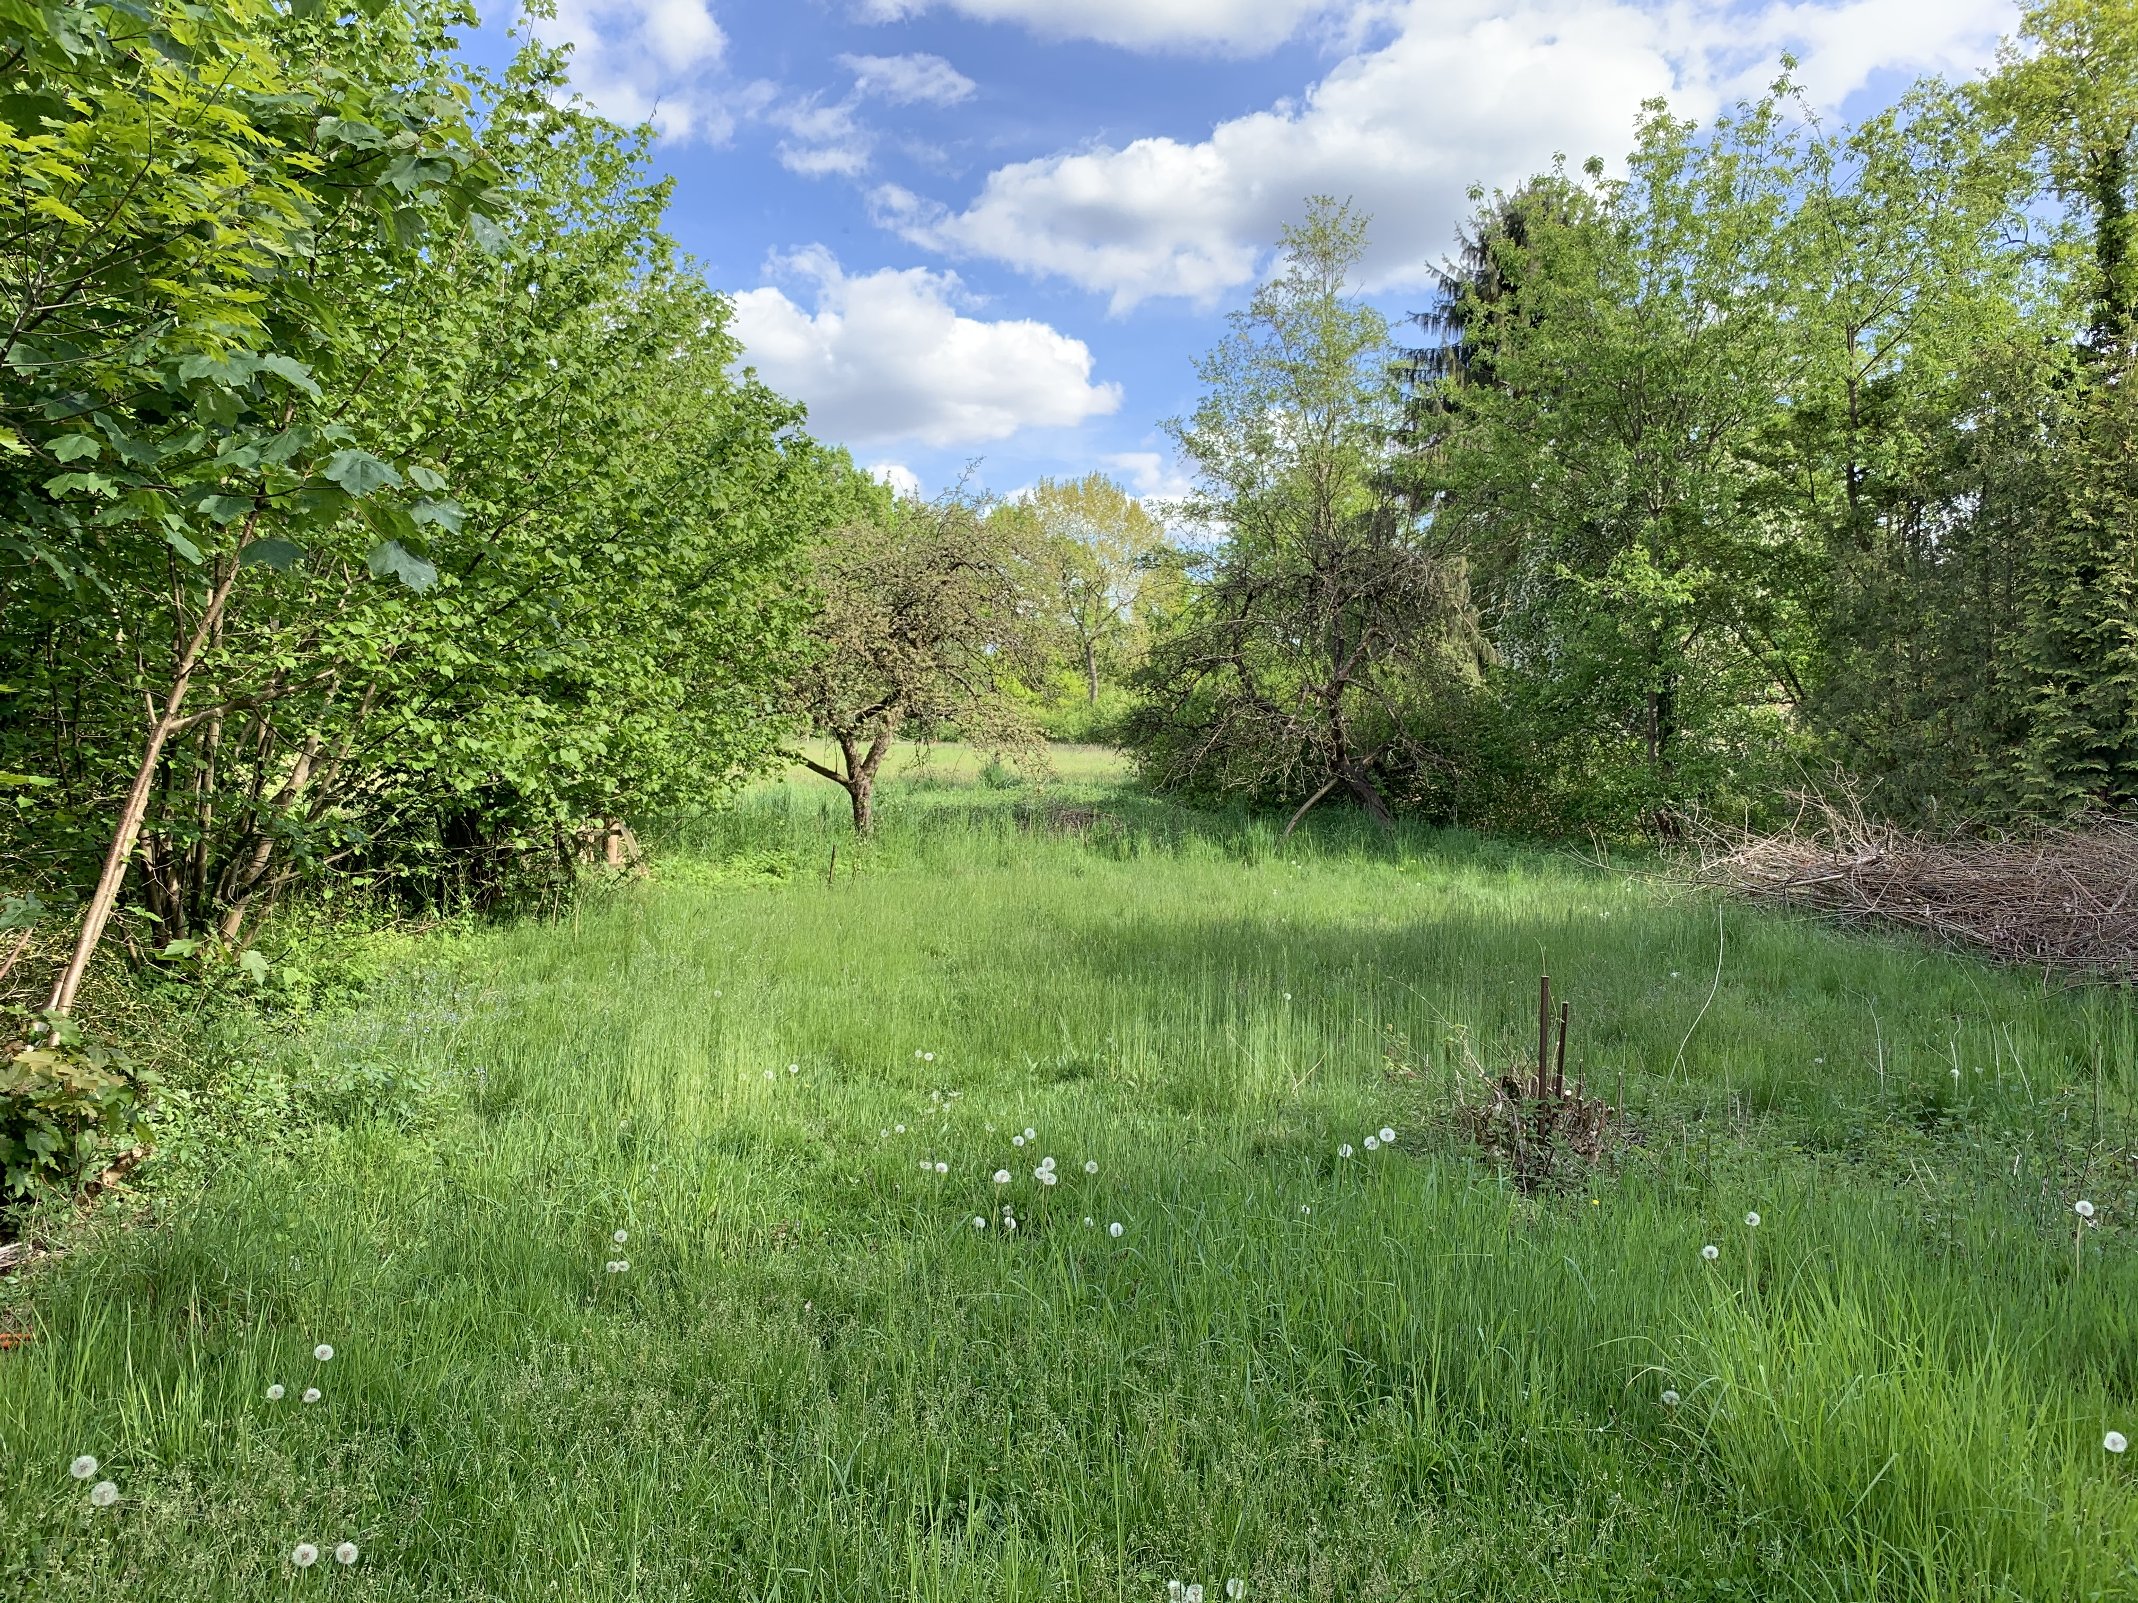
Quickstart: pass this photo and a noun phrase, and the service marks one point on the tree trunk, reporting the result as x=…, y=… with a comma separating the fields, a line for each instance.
x=861, y=791
x=1369, y=795
x=135, y=808
x=1091, y=671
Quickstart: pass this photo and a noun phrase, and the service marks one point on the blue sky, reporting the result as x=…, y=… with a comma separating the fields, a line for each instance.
x=1000, y=231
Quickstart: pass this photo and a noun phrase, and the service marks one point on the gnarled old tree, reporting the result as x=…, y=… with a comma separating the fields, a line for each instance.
x=917, y=632
x=1327, y=618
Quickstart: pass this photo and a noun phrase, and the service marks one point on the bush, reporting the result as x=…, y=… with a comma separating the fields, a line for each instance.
x=61, y=1102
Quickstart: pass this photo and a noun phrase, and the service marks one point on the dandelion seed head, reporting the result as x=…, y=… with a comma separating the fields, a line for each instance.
x=769, y=1074
x=2082, y=1208
x=1235, y=1588
x=274, y=1392
x=1711, y=1252
x=1388, y=1136
x=979, y=1221
x=1195, y=1592
x=1030, y=1134
x=2115, y=1441
x=794, y=1068
x=1046, y=1163
x=1002, y=1177
x=1372, y=1143
x=323, y=1353
x=304, y=1555
x=1091, y=1165
x=942, y=1168
x=1175, y=1591
x=1045, y=1177
x=1670, y=1399
x=104, y=1494
x=1752, y=1220
x=898, y=1129
x=82, y=1468
x=311, y=1394
x=1114, y=1229
x=1016, y=1140
x=1344, y=1151
x=621, y=1237
x=345, y=1553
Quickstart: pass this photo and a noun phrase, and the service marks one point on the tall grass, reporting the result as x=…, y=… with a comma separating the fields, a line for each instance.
x=1387, y=1376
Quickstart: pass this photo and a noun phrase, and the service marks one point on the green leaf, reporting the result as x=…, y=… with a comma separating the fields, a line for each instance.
x=290, y=371
x=20, y=912
x=26, y=779
x=184, y=547
x=391, y=557
x=68, y=483
x=226, y=509
x=359, y=472
x=255, y=966
x=446, y=514
x=424, y=478
x=75, y=447
x=271, y=553
x=489, y=238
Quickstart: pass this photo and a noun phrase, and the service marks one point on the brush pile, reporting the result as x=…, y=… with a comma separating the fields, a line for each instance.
x=2064, y=900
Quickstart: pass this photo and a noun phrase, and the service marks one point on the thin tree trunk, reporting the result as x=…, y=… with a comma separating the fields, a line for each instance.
x=1091, y=670
x=249, y=878
x=1307, y=806
x=106, y=895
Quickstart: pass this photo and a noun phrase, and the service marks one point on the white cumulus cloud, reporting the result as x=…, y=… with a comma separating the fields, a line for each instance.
x=1464, y=91
x=827, y=138
x=644, y=61
x=890, y=355
x=904, y=482
x=1151, y=475
x=909, y=79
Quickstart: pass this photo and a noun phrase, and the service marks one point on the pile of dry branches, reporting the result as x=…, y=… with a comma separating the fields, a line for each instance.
x=2061, y=899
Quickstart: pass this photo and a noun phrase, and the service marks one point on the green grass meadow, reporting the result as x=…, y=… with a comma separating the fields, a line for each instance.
x=790, y=1077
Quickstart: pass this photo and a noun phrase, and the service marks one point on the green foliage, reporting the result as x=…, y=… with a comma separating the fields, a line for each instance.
x=1099, y=577
x=62, y=1104
x=422, y=506
x=1794, y=446
x=1330, y=616
x=920, y=627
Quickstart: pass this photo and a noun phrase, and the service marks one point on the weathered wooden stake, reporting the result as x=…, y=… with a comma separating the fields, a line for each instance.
x=1544, y=1033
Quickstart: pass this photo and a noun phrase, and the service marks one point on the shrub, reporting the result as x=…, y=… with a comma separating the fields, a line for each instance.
x=61, y=1102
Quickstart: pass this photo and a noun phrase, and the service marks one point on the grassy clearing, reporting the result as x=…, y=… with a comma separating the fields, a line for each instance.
x=1378, y=1377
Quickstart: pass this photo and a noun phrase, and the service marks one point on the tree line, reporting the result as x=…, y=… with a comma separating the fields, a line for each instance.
x=1789, y=449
